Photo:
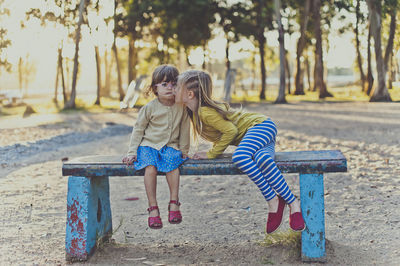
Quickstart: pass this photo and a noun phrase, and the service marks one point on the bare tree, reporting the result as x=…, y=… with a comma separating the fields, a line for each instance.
x=288, y=75
x=370, y=77
x=308, y=72
x=107, y=73
x=60, y=72
x=380, y=92
x=26, y=73
x=98, y=70
x=282, y=76
x=390, y=42
x=359, y=58
x=319, y=66
x=115, y=50
x=71, y=102
x=304, y=16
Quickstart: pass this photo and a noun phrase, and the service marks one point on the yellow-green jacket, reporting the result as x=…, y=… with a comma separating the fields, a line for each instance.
x=224, y=132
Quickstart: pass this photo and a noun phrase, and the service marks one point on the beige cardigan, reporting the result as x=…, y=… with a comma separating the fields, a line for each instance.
x=158, y=125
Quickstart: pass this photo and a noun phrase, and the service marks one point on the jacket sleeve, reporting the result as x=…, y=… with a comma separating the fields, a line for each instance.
x=228, y=131
x=138, y=130
x=184, y=136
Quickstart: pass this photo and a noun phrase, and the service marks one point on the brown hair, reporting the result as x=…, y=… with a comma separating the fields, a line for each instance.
x=201, y=84
x=162, y=73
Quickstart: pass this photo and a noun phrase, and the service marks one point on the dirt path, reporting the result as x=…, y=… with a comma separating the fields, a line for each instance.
x=224, y=217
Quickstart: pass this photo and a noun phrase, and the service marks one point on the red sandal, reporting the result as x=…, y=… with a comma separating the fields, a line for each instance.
x=154, y=222
x=174, y=217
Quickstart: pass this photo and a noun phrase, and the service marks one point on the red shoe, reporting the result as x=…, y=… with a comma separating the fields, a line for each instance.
x=296, y=222
x=275, y=219
x=154, y=222
x=174, y=217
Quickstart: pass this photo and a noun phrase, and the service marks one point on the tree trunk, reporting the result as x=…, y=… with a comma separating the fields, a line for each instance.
x=20, y=73
x=229, y=80
x=288, y=75
x=314, y=87
x=389, y=46
x=370, y=77
x=308, y=71
x=132, y=59
x=64, y=87
x=300, y=47
x=391, y=73
x=253, y=71
x=57, y=74
x=228, y=62
x=115, y=50
x=60, y=70
x=261, y=45
x=380, y=92
x=282, y=58
x=319, y=65
x=120, y=90
x=359, y=58
x=98, y=70
x=68, y=75
x=71, y=102
x=107, y=74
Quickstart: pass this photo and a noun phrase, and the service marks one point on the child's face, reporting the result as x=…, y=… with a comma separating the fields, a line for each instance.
x=180, y=93
x=165, y=89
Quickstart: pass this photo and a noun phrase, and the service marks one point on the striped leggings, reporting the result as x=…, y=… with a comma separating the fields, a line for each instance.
x=255, y=157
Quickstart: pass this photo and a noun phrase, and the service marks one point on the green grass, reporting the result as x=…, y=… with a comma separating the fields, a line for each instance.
x=287, y=238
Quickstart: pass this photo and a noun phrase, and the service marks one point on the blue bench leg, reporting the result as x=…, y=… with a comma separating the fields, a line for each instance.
x=88, y=216
x=312, y=207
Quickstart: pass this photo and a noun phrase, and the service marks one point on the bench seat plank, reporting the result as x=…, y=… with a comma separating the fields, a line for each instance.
x=288, y=162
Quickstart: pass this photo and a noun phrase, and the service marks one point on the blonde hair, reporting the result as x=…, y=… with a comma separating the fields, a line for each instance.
x=200, y=83
x=162, y=73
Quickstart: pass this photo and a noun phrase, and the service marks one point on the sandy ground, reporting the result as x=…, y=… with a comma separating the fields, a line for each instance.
x=224, y=217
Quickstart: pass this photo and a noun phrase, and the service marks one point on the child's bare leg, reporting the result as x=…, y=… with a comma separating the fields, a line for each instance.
x=273, y=204
x=295, y=206
x=173, y=178
x=150, y=183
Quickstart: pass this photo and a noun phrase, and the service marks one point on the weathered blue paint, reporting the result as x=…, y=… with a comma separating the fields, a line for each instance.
x=312, y=207
x=88, y=215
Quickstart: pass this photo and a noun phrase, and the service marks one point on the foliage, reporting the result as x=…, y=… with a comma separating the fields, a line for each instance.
x=229, y=19
x=136, y=16
x=59, y=13
x=256, y=17
x=4, y=42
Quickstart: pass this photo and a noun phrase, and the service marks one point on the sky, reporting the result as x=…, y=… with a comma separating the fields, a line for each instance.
x=40, y=45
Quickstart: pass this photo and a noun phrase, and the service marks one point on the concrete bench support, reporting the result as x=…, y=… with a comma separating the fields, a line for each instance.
x=88, y=215
x=88, y=201
x=312, y=207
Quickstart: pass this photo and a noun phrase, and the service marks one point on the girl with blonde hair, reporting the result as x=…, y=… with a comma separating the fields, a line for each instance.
x=254, y=135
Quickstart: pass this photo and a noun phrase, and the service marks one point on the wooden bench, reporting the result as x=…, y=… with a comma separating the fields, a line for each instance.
x=88, y=202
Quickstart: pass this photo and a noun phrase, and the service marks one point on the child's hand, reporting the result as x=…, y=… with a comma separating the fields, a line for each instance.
x=185, y=156
x=128, y=160
x=200, y=155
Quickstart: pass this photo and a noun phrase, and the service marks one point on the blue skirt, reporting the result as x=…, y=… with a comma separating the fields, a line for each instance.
x=165, y=160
